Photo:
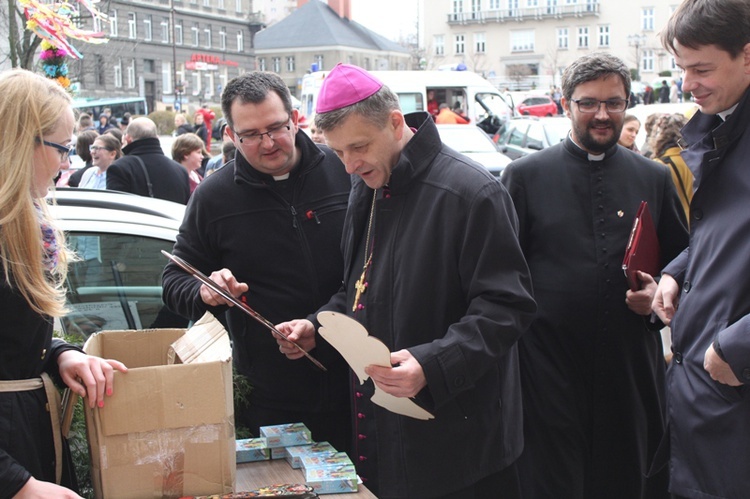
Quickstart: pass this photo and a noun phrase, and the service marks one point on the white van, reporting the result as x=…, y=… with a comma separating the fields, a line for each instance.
x=479, y=100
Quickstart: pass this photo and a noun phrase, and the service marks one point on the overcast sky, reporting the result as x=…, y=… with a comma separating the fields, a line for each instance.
x=389, y=18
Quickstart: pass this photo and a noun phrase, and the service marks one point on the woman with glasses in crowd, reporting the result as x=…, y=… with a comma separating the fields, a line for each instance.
x=33, y=457
x=104, y=151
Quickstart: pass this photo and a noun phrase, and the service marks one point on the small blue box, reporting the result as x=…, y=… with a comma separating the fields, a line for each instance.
x=295, y=453
x=286, y=435
x=332, y=480
x=325, y=460
x=252, y=449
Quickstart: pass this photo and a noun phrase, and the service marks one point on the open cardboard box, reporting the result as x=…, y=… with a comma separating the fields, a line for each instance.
x=168, y=430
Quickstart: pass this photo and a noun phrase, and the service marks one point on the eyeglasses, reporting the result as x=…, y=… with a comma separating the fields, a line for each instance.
x=593, y=105
x=97, y=148
x=64, y=151
x=257, y=138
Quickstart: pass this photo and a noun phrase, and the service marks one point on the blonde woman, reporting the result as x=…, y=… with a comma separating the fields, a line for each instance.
x=190, y=151
x=34, y=262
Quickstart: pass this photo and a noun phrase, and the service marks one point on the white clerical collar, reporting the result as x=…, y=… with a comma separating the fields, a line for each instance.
x=591, y=157
x=282, y=177
x=725, y=114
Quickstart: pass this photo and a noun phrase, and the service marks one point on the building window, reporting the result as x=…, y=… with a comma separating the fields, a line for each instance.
x=207, y=33
x=551, y=7
x=494, y=5
x=164, y=25
x=131, y=74
x=220, y=5
x=166, y=78
x=261, y=64
x=147, y=28
x=132, y=28
x=513, y=8
x=583, y=37
x=647, y=19
x=476, y=9
x=113, y=23
x=480, y=43
x=148, y=65
x=562, y=38
x=222, y=38
x=178, y=39
x=532, y=3
x=118, y=74
x=240, y=41
x=207, y=3
x=99, y=71
x=276, y=61
x=290, y=66
x=522, y=41
x=196, y=35
x=97, y=24
x=196, y=82
x=318, y=60
x=458, y=45
x=238, y=5
x=208, y=85
x=647, y=61
x=604, y=36
x=439, y=41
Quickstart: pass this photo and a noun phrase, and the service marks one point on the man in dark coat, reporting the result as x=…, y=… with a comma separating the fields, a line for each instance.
x=270, y=219
x=431, y=238
x=704, y=294
x=155, y=175
x=592, y=365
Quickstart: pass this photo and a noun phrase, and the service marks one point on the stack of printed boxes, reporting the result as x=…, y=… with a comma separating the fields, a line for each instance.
x=325, y=469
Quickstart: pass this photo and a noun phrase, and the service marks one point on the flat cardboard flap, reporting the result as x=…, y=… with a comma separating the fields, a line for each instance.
x=133, y=348
x=205, y=341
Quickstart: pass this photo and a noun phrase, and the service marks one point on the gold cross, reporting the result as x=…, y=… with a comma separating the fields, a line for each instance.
x=361, y=287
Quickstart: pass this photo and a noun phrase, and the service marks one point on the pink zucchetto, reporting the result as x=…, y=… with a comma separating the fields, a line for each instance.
x=346, y=85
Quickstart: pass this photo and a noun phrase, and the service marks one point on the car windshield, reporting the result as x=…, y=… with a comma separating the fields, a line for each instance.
x=557, y=130
x=467, y=140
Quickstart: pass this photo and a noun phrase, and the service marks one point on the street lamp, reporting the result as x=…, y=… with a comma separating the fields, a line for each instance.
x=637, y=41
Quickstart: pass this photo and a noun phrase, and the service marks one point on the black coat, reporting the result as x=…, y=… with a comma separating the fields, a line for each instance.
x=592, y=370
x=710, y=421
x=169, y=179
x=26, y=445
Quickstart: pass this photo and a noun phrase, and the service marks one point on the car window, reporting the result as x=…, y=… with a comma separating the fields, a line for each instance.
x=557, y=131
x=517, y=134
x=467, y=139
x=116, y=284
x=411, y=102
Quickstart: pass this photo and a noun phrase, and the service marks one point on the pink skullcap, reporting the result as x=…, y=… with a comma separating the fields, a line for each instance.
x=345, y=85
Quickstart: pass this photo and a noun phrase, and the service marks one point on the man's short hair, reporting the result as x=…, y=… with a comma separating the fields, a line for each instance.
x=592, y=67
x=85, y=121
x=253, y=88
x=141, y=128
x=696, y=23
x=376, y=109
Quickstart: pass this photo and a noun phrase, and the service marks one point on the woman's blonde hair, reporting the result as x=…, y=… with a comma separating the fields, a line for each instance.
x=186, y=143
x=33, y=106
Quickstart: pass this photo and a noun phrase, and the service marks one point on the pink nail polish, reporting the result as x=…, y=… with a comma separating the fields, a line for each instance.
x=101, y=404
x=109, y=391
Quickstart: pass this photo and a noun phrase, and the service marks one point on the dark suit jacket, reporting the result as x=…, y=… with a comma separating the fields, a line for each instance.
x=168, y=178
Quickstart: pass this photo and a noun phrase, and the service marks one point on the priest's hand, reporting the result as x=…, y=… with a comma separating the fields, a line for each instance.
x=300, y=331
x=718, y=369
x=666, y=299
x=226, y=280
x=405, y=379
x=640, y=301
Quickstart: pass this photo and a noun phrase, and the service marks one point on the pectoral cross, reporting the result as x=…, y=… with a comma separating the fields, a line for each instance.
x=361, y=287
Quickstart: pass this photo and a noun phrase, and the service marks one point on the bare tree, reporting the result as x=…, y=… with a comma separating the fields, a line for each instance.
x=517, y=73
x=22, y=43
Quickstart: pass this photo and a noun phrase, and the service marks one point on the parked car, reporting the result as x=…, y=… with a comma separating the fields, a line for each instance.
x=526, y=135
x=471, y=141
x=119, y=238
x=537, y=105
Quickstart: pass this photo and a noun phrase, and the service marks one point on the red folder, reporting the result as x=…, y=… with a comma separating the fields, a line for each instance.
x=642, y=252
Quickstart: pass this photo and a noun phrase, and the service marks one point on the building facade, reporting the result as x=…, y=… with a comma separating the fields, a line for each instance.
x=522, y=44
x=174, y=53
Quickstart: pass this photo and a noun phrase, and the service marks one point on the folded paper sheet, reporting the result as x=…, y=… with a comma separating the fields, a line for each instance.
x=360, y=350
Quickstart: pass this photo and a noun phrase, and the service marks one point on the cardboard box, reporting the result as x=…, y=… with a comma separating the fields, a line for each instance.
x=168, y=430
x=252, y=449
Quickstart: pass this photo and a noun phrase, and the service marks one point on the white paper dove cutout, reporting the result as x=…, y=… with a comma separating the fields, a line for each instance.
x=360, y=350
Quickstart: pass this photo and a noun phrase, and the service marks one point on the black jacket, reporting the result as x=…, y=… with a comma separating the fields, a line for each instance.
x=169, y=180
x=288, y=254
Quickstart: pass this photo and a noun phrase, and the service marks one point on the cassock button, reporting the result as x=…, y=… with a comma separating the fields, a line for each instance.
x=678, y=357
x=358, y=395
x=362, y=459
x=361, y=416
x=458, y=381
x=361, y=437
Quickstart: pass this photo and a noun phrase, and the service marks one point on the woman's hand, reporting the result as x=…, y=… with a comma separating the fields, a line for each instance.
x=89, y=375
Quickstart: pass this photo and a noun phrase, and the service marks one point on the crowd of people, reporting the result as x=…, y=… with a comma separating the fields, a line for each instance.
x=502, y=301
